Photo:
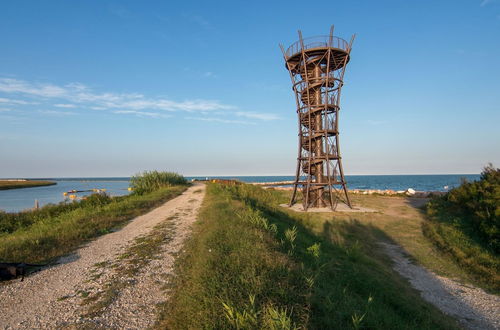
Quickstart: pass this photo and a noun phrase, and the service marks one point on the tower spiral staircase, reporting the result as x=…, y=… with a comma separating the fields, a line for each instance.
x=316, y=66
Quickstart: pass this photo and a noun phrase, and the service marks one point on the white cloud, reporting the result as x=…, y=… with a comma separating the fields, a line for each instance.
x=5, y=110
x=65, y=105
x=78, y=95
x=10, y=85
x=11, y=101
x=57, y=113
x=142, y=113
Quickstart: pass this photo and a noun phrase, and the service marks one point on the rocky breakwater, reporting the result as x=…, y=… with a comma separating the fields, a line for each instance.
x=389, y=192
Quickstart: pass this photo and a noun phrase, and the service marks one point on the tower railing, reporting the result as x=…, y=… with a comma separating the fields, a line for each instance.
x=317, y=42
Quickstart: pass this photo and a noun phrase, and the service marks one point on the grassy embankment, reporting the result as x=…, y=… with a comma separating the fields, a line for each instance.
x=252, y=264
x=54, y=230
x=5, y=184
x=465, y=224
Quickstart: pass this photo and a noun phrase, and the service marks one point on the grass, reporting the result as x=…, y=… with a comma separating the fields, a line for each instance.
x=251, y=264
x=6, y=184
x=450, y=231
x=397, y=220
x=57, y=230
x=464, y=224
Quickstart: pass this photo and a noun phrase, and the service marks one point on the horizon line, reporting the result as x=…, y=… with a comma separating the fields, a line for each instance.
x=230, y=175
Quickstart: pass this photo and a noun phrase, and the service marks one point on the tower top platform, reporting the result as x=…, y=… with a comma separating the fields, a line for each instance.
x=318, y=47
x=318, y=44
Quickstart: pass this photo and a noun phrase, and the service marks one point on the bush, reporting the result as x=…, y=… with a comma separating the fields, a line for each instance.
x=465, y=223
x=149, y=181
x=479, y=203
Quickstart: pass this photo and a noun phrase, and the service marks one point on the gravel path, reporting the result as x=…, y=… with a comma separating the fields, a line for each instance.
x=471, y=306
x=60, y=296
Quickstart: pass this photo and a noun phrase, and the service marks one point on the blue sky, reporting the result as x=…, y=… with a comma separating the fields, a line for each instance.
x=111, y=88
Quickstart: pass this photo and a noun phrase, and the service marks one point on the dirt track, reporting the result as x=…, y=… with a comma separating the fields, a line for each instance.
x=63, y=295
x=471, y=306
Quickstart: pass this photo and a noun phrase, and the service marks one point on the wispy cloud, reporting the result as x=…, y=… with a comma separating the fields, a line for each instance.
x=65, y=105
x=11, y=101
x=142, y=113
x=486, y=2
x=77, y=95
x=57, y=113
x=10, y=85
x=5, y=110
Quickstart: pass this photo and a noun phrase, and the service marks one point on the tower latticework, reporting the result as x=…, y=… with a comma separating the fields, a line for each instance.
x=317, y=67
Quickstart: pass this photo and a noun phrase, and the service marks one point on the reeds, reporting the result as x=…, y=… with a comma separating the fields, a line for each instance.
x=148, y=181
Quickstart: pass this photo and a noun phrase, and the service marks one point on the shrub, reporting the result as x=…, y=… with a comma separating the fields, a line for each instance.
x=465, y=224
x=479, y=204
x=149, y=181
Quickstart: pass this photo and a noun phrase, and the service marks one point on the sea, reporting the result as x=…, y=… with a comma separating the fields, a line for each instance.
x=15, y=200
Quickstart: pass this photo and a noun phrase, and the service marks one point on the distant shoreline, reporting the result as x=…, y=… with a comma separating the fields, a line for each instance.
x=21, y=183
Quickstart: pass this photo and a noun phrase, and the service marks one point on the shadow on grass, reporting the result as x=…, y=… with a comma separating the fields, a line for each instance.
x=353, y=284
x=417, y=203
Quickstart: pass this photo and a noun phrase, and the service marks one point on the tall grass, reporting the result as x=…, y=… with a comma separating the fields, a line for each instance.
x=10, y=222
x=149, y=181
x=251, y=265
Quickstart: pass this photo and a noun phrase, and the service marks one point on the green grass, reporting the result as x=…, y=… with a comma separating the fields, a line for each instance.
x=10, y=222
x=251, y=264
x=57, y=230
x=465, y=225
x=449, y=230
x=4, y=184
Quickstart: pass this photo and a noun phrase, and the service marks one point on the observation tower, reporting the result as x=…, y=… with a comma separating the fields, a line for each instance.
x=316, y=66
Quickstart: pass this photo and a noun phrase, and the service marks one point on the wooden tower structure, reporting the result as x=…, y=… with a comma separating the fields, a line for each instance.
x=316, y=66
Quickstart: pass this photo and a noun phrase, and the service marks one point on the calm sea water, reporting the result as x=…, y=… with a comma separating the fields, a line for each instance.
x=14, y=200
x=19, y=199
